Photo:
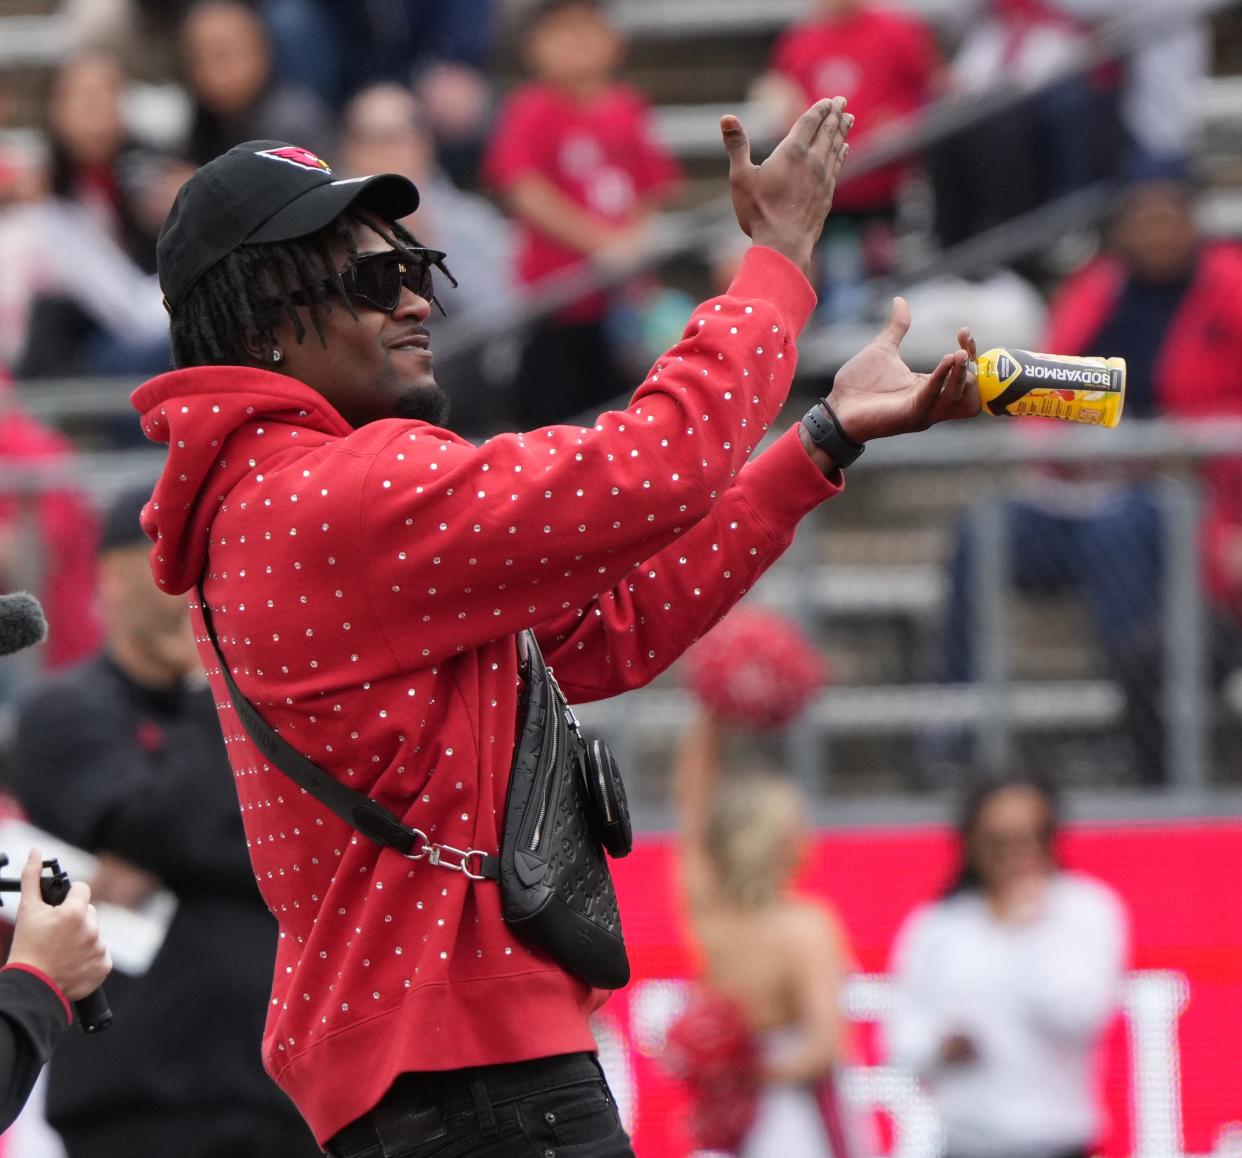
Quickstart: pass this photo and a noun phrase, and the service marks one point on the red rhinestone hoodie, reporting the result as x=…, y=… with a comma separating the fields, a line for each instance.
x=367, y=585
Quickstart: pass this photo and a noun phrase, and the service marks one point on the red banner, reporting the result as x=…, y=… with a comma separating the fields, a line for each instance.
x=1171, y=1065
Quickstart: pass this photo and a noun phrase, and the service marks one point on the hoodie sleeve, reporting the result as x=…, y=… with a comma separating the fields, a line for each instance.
x=631, y=633
x=466, y=544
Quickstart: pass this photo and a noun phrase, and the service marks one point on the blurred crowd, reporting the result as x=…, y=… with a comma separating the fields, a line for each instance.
x=533, y=153
x=537, y=160
x=1003, y=983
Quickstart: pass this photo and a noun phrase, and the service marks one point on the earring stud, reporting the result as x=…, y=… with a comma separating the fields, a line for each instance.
x=276, y=355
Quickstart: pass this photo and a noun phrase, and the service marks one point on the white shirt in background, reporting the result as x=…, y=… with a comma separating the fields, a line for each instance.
x=1033, y=998
x=59, y=247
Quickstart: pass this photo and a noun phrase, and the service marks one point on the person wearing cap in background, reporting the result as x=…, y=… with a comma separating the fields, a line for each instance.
x=122, y=757
x=367, y=572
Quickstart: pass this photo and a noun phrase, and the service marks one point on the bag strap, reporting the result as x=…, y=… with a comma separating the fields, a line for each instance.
x=358, y=810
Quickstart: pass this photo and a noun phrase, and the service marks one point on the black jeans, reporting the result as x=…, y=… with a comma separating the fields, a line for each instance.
x=558, y=1107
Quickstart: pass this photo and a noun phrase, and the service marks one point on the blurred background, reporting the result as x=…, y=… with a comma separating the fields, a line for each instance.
x=1060, y=175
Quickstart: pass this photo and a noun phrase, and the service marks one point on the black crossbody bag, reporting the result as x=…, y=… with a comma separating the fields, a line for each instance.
x=566, y=806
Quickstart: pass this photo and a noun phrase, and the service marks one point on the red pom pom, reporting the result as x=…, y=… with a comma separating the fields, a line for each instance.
x=712, y=1049
x=755, y=668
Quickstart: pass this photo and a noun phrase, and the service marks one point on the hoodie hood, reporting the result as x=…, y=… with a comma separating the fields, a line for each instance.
x=212, y=420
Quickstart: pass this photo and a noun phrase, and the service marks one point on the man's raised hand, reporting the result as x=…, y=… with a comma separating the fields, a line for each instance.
x=784, y=202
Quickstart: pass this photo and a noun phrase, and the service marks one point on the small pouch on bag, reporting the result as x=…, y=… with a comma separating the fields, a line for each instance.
x=556, y=891
x=610, y=810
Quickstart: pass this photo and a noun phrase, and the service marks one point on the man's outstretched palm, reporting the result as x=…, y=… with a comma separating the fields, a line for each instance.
x=876, y=395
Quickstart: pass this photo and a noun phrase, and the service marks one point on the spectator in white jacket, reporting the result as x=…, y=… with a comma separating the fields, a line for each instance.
x=1007, y=982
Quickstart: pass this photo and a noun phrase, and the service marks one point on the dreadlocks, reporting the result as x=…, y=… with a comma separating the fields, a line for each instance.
x=235, y=306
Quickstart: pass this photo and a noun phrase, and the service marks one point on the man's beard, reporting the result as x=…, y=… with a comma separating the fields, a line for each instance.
x=426, y=403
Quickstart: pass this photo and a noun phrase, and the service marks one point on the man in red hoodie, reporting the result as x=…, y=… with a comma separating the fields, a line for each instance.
x=367, y=571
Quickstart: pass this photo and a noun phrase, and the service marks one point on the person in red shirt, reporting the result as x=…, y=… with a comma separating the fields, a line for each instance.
x=886, y=63
x=61, y=527
x=368, y=570
x=573, y=155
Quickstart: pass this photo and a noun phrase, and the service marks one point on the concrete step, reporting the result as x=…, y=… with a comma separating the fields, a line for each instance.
x=663, y=19
x=32, y=39
x=893, y=710
x=843, y=591
x=690, y=129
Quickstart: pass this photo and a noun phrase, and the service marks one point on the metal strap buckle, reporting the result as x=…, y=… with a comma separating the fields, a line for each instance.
x=441, y=856
x=438, y=852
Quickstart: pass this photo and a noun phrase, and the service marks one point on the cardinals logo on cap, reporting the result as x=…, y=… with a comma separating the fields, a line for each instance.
x=292, y=155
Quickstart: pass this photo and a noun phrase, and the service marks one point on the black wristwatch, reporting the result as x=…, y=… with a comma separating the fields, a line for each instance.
x=824, y=427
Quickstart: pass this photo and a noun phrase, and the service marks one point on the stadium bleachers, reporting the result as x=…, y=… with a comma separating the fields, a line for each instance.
x=871, y=575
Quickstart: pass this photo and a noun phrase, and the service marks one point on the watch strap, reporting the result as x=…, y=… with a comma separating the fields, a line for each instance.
x=824, y=427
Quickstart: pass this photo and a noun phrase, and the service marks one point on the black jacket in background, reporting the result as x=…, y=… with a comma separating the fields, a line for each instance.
x=111, y=766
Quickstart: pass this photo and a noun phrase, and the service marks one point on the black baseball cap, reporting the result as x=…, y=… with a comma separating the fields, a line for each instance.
x=262, y=191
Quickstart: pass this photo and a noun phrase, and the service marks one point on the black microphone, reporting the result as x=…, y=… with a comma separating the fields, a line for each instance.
x=22, y=622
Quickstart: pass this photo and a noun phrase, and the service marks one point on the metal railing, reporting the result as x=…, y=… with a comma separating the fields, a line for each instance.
x=677, y=18
x=1003, y=708
x=1000, y=707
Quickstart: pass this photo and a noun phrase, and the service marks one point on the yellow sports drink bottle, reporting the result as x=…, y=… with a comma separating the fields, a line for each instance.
x=1021, y=383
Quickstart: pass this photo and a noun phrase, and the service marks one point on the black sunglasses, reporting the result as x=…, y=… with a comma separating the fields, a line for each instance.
x=377, y=278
